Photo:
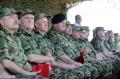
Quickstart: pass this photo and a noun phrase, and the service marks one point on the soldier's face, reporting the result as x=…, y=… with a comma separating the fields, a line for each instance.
x=42, y=25
x=87, y=34
x=60, y=26
x=10, y=22
x=68, y=30
x=83, y=35
x=27, y=21
x=76, y=34
x=101, y=34
x=117, y=37
x=111, y=35
x=106, y=36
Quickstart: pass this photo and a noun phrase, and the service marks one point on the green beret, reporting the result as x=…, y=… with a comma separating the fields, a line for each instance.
x=7, y=11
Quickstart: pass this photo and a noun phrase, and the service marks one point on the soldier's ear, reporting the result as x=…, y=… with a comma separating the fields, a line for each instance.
x=36, y=23
x=1, y=22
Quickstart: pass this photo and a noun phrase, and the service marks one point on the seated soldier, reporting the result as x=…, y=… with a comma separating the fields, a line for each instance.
x=12, y=57
x=99, y=44
x=27, y=40
x=45, y=46
x=111, y=40
x=94, y=57
x=117, y=42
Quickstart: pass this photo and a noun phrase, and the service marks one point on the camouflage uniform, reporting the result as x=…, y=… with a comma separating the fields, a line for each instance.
x=11, y=48
x=99, y=45
x=90, y=57
x=79, y=46
x=101, y=65
x=110, y=40
x=62, y=46
x=29, y=45
x=117, y=43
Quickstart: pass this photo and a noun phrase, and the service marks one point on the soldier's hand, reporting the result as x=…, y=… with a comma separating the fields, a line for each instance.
x=87, y=64
x=52, y=59
x=71, y=66
x=28, y=67
x=78, y=64
x=34, y=73
x=87, y=50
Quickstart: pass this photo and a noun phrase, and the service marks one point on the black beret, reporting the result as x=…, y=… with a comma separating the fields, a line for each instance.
x=58, y=18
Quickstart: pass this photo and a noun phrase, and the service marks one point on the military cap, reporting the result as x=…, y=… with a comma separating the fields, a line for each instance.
x=41, y=15
x=109, y=31
x=58, y=18
x=116, y=34
x=75, y=28
x=84, y=29
x=26, y=11
x=7, y=11
x=97, y=29
x=68, y=23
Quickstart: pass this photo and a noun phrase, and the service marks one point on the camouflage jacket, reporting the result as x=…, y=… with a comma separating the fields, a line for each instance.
x=62, y=45
x=10, y=48
x=45, y=46
x=28, y=43
x=98, y=44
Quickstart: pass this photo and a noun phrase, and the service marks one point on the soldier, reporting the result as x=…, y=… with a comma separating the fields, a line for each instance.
x=45, y=46
x=98, y=44
x=64, y=43
x=12, y=57
x=98, y=41
x=34, y=54
x=64, y=50
x=99, y=63
x=83, y=50
x=117, y=42
x=106, y=42
x=111, y=40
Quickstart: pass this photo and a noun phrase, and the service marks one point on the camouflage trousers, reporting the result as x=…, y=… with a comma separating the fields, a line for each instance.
x=59, y=73
x=103, y=66
x=82, y=72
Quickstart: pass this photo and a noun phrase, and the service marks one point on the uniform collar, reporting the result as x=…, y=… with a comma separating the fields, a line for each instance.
x=22, y=31
x=6, y=32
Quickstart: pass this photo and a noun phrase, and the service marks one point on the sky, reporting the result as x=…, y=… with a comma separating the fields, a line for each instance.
x=95, y=13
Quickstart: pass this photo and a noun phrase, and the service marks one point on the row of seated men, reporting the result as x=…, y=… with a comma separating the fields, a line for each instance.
x=29, y=49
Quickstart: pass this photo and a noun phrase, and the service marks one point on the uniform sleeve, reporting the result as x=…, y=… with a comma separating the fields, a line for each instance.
x=4, y=51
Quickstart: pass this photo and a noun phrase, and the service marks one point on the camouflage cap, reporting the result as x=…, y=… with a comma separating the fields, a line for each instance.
x=8, y=11
x=68, y=23
x=26, y=11
x=75, y=28
x=97, y=29
x=84, y=29
x=109, y=31
x=41, y=15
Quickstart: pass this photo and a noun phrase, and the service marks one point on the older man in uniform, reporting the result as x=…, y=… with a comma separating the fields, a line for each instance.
x=12, y=57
